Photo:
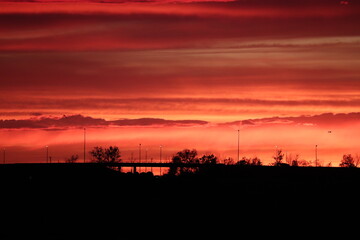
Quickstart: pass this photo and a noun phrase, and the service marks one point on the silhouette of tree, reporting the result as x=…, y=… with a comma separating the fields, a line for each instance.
x=303, y=163
x=106, y=155
x=294, y=161
x=278, y=157
x=112, y=154
x=98, y=154
x=173, y=170
x=187, y=156
x=72, y=159
x=229, y=161
x=243, y=162
x=208, y=159
x=250, y=161
x=348, y=161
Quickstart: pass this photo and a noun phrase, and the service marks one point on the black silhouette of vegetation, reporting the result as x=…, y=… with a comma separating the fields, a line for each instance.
x=72, y=159
x=208, y=159
x=278, y=157
x=229, y=161
x=106, y=155
x=185, y=156
x=250, y=162
x=349, y=161
x=188, y=156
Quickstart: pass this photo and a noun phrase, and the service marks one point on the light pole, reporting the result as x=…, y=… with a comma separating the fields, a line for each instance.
x=139, y=156
x=160, y=158
x=84, y=145
x=47, y=154
x=316, y=158
x=238, y=150
x=146, y=158
x=160, y=153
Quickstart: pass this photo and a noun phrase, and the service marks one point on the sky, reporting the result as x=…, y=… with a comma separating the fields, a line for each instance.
x=180, y=74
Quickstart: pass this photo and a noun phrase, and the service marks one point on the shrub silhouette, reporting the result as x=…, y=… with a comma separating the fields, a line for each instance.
x=72, y=159
x=249, y=161
x=229, y=161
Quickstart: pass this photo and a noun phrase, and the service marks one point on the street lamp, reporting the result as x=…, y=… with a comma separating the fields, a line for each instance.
x=84, y=145
x=139, y=156
x=146, y=152
x=160, y=158
x=160, y=152
x=316, y=157
x=47, y=154
x=238, y=151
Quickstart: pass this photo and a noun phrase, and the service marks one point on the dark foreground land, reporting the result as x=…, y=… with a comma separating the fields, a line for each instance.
x=82, y=201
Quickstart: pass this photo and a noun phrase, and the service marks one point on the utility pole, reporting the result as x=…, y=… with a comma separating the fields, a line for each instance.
x=4, y=156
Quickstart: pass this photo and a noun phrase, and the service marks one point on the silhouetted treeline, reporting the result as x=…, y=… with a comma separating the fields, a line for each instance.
x=112, y=154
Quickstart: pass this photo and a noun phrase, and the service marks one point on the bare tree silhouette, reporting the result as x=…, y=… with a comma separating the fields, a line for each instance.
x=278, y=157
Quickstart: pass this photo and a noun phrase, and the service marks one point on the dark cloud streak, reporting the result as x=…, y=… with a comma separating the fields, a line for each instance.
x=164, y=103
x=185, y=26
x=322, y=120
x=78, y=121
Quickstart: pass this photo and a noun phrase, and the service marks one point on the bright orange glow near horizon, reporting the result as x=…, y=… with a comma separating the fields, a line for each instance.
x=285, y=73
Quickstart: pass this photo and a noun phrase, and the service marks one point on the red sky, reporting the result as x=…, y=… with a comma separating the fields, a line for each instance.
x=210, y=62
